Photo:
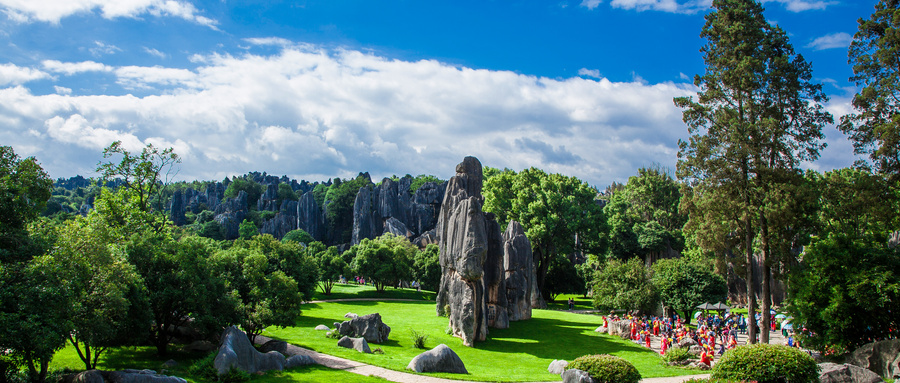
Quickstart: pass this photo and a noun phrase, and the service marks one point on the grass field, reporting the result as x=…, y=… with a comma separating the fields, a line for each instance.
x=352, y=290
x=519, y=353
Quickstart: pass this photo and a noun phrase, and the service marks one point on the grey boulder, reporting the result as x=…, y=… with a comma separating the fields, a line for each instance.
x=199, y=346
x=368, y=326
x=846, y=373
x=358, y=344
x=322, y=327
x=142, y=376
x=438, y=359
x=576, y=376
x=880, y=357
x=237, y=352
x=274, y=345
x=298, y=360
x=557, y=366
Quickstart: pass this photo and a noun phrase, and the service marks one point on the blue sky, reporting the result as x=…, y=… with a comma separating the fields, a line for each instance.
x=318, y=89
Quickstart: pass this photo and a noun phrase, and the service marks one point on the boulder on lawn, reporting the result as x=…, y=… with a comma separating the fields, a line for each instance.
x=602, y=330
x=351, y=315
x=367, y=326
x=358, y=344
x=237, y=352
x=687, y=342
x=298, y=360
x=576, y=376
x=141, y=376
x=557, y=367
x=199, y=346
x=846, y=373
x=89, y=376
x=274, y=345
x=438, y=359
x=322, y=327
x=879, y=357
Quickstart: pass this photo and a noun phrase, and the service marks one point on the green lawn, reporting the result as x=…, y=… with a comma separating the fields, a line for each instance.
x=561, y=302
x=519, y=353
x=352, y=290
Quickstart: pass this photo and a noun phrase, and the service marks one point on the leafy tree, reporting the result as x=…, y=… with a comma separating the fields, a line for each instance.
x=290, y=258
x=331, y=267
x=875, y=54
x=855, y=202
x=559, y=214
x=285, y=193
x=427, y=268
x=299, y=236
x=385, y=260
x=683, y=284
x=266, y=296
x=247, y=229
x=241, y=184
x=24, y=190
x=101, y=286
x=757, y=116
x=563, y=278
x=624, y=285
x=339, y=208
x=145, y=175
x=846, y=291
x=422, y=179
x=212, y=230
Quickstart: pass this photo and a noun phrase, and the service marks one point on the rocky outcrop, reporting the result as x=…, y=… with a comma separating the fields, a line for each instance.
x=438, y=359
x=391, y=208
x=882, y=358
x=363, y=220
x=123, y=376
x=518, y=263
x=284, y=220
x=369, y=327
x=846, y=373
x=310, y=217
x=231, y=213
x=557, y=366
x=358, y=344
x=237, y=352
x=474, y=258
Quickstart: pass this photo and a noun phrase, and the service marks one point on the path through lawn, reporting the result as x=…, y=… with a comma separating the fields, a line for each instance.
x=519, y=353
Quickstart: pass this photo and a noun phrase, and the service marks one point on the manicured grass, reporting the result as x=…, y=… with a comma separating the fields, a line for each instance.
x=352, y=290
x=561, y=302
x=519, y=353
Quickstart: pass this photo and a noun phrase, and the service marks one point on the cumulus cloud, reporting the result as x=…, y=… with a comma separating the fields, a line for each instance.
x=52, y=11
x=802, y=5
x=315, y=114
x=595, y=73
x=834, y=40
x=70, y=68
x=101, y=49
x=11, y=74
x=155, y=52
x=674, y=6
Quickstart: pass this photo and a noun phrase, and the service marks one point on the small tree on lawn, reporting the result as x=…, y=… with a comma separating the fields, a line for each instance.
x=331, y=268
x=384, y=260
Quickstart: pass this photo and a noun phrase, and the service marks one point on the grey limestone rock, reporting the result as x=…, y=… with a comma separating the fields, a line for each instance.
x=396, y=227
x=369, y=327
x=274, y=345
x=89, y=376
x=557, y=366
x=351, y=315
x=438, y=359
x=882, y=358
x=846, y=373
x=199, y=346
x=236, y=351
x=141, y=376
x=363, y=220
x=576, y=376
x=518, y=263
x=322, y=327
x=298, y=360
x=310, y=216
x=601, y=330
x=358, y=344
x=620, y=327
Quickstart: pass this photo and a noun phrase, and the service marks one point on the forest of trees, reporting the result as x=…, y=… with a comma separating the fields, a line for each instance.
x=95, y=263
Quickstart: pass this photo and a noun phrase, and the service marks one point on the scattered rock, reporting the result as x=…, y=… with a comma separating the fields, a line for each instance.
x=170, y=363
x=695, y=350
x=438, y=359
x=882, y=358
x=601, y=330
x=141, y=376
x=367, y=326
x=89, y=376
x=274, y=345
x=298, y=360
x=576, y=376
x=699, y=366
x=557, y=366
x=358, y=344
x=687, y=342
x=236, y=351
x=322, y=327
x=351, y=315
x=846, y=373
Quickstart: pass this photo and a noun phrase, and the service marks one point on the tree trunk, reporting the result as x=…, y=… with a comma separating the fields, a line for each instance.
x=543, y=256
x=766, y=301
x=751, y=292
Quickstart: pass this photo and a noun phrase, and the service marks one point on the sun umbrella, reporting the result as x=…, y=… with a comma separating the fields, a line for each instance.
x=720, y=306
x=707, y=306
x=697, y=314
x=780, y=316
x=788, y=326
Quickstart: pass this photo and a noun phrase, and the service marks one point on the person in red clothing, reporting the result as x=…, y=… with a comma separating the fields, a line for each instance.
x=655, y=327
x=664, y=345
x=633, y=331
x=705, y=357
x=647, y=338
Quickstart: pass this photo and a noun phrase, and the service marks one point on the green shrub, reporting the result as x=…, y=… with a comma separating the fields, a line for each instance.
x=234, y=375
x=204, y=368
x=418, y=339
x=677, y=354
x=766, y=363
x=607, y=368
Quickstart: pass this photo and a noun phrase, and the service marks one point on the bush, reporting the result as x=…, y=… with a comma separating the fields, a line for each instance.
x=767, y=363
x=607, y=368
x=418, y=339
x=205, y=370
x=677, y=354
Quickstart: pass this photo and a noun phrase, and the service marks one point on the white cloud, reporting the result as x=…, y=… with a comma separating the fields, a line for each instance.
x=69, y=68
x=802, y=5
x=595, y=73
x=590, y=4
x=52, y=11
x=101, y=49
x=155, y=52
x=62, y=90
x=674, y=6
x=11, y=74
x=316, y=114
x=276, y=41
x=834, y=40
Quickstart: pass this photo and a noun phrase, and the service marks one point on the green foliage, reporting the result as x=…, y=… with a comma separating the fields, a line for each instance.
x=427, y=268
x=683, y=284
x=331, y=268
x=205, y=368
x=247, y=229
x=844, y=288
x=385, y=260
x=553, y=209
x=299, y=236
x=607, y=368
x=319, y=194
x=288, y=257
x=874, y=53
x=253, y=190
x=286, y=193
x=418, y=338
x=677, y=354
x=855, y=202
x=266, y=296
x=24, y=191
x=766, y=363
x=339, y=208
x=212, y=230
x=624, y=285
x=234, y=375
x=144, y=175
x=562, y=278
